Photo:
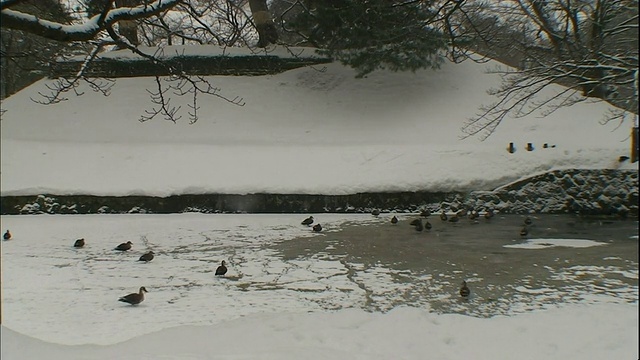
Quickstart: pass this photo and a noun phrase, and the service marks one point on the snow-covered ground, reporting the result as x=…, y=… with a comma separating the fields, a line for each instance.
x=303, y=131
x=310, y=130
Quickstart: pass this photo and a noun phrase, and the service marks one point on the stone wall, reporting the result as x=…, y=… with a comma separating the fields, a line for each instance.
x=596, y=192
x=602, y=192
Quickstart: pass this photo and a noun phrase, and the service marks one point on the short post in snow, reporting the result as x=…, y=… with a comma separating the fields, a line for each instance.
x=634, y=144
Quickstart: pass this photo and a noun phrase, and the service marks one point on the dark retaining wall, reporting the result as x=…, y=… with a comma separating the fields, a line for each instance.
x=593, y=192
x=218, y=203
x=250, y=65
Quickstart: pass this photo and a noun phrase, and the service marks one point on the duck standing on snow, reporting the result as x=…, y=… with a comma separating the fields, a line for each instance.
x=308, y=221
x=375, y=212
x=425, y=213
x=464, y=290
x=221, y=270
x=146, y=257
x=7, y=235
x=134, y=298
x=79, y=243
x=317, y=227
x=394, y=220
x=124, y=246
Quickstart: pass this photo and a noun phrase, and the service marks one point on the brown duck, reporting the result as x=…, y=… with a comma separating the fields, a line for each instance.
x=488, y=214
x=79, y=243
x=308, y=221
x=317, y=227
x=394, y=220
x=221, y=270
x=124, y=246
x=146, y=257
x=7, y=235
x=464, y=290
x=418, y=225
x=427, y=225
x=134, y=298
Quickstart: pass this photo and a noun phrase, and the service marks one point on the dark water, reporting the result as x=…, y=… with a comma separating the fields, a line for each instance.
x=396, y=265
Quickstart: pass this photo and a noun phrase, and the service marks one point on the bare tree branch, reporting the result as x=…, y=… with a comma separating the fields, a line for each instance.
x=588, y=47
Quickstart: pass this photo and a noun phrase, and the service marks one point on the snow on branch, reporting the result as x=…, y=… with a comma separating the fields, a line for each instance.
x=88, y=30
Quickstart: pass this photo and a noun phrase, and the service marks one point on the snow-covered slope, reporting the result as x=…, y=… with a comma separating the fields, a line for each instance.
x=310, y=130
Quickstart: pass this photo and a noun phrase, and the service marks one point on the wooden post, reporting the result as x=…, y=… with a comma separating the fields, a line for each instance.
x=634, y=144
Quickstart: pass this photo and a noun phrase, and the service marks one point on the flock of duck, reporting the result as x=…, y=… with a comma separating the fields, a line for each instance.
x=418, y=224
x=473, y=216
x=133, y=298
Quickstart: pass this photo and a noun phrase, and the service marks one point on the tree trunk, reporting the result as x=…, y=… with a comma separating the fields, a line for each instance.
x=267, y=32
x=128, y=29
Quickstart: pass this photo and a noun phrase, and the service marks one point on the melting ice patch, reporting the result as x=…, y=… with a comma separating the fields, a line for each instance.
x=549, y=243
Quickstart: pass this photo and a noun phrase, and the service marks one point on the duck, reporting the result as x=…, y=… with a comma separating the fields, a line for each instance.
x=124, y=246
x=454, y=218
x=464, y=290
x=79, y=243
x=443, y=216
x=418, y=225
x=134, y=298
x=7, y=235
x=146, y=257
x=394, y=220
x=308, y=221
x=462, y=212
x=222, y=269
x=317, y=227
x=427, y=225
x=425, y=213
x=488, y=214
x=473, y=215
x=375, y=212
x=528, y=221
x=524, y=231
x=415, y=222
